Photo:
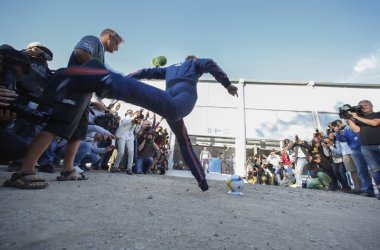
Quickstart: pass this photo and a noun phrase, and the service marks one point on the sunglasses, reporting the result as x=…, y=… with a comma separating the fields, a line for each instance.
x=116, y=41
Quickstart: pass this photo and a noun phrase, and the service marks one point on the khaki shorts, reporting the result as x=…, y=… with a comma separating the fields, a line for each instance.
x=349, y=163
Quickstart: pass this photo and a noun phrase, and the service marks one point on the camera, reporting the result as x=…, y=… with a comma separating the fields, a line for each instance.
x=286, y=142
x=20, y=105
x=343, y=111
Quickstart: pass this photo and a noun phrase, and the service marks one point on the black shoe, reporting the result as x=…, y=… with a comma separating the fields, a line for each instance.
x=367, y=194
x=129, y=172
x=203, y=185
x=346, y=190
x=358, y=192
x=104, y=167
x=114, y=170
x=46, y=168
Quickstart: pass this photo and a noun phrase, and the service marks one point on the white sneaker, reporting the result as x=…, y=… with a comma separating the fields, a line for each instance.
x=295, y=186
x=78, y=169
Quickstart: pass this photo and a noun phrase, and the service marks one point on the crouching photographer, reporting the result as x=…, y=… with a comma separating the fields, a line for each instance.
x=146, y=150
x=367, y=124
x=12, y=64
x=321, y=173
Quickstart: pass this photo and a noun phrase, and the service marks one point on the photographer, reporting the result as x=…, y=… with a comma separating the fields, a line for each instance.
x=368, y=126
x=301, y=156
x=30, y=120
x=12, y=63
x=321, y=173
x=337, y=163
x=345, y=134
x=286, y=175
x=89, y=150
x=125, y=135
x=147, y=149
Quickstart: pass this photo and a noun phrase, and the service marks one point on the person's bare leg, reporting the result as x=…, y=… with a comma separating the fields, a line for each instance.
x=36, y=149
x=71, y=149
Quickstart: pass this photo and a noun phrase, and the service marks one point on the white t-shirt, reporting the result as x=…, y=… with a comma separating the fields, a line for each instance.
x=126, y=129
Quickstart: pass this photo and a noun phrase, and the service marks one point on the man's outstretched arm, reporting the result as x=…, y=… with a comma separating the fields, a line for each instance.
x=209, y=66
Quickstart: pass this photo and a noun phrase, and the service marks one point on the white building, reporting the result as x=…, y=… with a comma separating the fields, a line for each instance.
x=267, y=112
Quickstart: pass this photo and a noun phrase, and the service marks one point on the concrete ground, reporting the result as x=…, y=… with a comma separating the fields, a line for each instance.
x=116, y=211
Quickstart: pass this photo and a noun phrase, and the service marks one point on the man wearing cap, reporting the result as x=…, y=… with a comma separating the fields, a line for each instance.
x=32, y=85
x=39, y=55
x=12, y=63
x=69, y=118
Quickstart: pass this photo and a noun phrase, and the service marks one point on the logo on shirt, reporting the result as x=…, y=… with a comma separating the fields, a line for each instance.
x=68, y=101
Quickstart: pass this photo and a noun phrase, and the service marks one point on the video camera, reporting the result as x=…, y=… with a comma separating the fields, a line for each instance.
x=20, y=105
x=343, y=111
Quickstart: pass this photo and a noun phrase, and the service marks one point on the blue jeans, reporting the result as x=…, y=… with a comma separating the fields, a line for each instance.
x=12, y=147
x=83, y=150
x=340, y=174
x=91, y=158
x=362, y=170
x=371, y=154
x=142, y=164
x=48, y=156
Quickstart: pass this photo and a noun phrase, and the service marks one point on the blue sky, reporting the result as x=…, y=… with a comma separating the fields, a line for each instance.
x=296, y=40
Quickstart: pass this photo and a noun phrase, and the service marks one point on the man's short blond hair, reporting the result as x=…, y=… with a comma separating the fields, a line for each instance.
x=113, y=33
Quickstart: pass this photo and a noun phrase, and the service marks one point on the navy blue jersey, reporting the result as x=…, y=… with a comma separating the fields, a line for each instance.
x=92, y=45
x=188, y=71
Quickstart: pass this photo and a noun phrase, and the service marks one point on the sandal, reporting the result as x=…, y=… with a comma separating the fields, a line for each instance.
x=71, y=176
x=19, y=180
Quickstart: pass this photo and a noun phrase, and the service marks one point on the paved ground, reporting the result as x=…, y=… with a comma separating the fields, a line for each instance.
x=116, y=211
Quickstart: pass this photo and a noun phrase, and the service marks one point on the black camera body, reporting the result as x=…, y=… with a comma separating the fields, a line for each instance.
x=19, y=106
x=343, y=111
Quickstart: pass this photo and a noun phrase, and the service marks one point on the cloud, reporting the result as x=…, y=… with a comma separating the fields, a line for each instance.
x=366, y=69
x=366, y=64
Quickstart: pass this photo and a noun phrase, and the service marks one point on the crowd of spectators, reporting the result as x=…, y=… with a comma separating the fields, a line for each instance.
x=346, y=157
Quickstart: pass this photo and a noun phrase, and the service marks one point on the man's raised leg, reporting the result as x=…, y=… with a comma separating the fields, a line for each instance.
x=191, y=159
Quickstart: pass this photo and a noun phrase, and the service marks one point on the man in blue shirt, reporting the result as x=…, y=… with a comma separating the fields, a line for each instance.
x=345, y=134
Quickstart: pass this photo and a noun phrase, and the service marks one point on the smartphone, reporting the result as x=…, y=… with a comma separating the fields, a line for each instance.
x=113, y=142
